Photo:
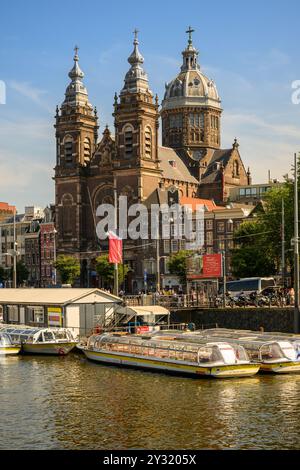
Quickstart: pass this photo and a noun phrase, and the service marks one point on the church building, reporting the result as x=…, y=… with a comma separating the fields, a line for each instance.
x=190, y=163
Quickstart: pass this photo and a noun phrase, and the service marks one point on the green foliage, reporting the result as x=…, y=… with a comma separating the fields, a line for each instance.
x=22, y=272
x=3, y=274
x=68, y=268
x=260, y=254
x=252, y=256
x=178, y=264
x=105, y=269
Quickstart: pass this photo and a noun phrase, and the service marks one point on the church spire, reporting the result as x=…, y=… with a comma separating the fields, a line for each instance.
x=76, y=93
x=136, y=79
x=190, y=54
x=76, y=73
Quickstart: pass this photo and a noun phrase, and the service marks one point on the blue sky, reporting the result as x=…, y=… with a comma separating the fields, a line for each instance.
x=250, y=49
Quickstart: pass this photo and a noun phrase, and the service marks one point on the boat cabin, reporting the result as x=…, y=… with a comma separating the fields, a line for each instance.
x=38, y=335
x=206, y=353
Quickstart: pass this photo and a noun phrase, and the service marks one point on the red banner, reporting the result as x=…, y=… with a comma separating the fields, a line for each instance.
x=115, y=249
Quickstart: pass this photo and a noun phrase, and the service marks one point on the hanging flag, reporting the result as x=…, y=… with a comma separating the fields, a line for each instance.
x=115, y=248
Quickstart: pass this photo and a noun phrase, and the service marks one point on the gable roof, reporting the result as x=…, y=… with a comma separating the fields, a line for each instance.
x=173, y=167
x=55, y=296
x=209, y=204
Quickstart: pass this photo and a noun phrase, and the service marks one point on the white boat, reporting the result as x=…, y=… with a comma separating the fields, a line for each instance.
x=57, y=341
x=211, y=359
x=275, y=354
x=7, y=347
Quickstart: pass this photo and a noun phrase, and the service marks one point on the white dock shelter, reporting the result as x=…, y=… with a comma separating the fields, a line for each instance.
x=152, y=315
x=78, y=309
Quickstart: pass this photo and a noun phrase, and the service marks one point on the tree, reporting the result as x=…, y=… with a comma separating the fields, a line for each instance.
x=68, y=268
x=178, y=265
x=253, y=255
x=3, y=275
x=258, y=254
x=105, y=269
x=22, y=272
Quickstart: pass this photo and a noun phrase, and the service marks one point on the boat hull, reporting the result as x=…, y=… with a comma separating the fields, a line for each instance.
x=281, y=368
x=10, y=350
x=57, y=349
x=238, y=370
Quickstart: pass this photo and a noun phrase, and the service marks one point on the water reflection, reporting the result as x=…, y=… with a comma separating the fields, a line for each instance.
x=70, y=403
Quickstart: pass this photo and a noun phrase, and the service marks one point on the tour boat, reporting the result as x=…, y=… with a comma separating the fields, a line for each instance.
x=269, y=336
x=7, y=347
x=276, y=355
x=211, y=359
x=57, y=341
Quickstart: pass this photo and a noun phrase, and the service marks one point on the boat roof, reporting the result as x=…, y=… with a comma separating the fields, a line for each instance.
x=136, y=339
x=26, y=330
x=56, y=296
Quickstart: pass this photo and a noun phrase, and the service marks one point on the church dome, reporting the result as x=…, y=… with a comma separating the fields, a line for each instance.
x=191, y=87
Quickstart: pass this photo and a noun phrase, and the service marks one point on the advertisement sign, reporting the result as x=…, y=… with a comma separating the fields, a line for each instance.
x=142, y=329
x=55, y=317
x=204, y=267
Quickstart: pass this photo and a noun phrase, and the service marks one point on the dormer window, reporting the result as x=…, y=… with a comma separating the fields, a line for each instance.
x=172, y=163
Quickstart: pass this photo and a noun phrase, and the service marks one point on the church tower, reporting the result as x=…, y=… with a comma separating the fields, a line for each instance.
x=76, y=137
x=191, y=109
x=136, y=116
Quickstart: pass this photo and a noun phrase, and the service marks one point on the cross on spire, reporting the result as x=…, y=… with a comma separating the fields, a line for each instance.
x=76, y=49
x=135, y=32
x=189, y=32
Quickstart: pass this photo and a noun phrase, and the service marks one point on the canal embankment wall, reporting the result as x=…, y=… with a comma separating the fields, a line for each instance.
x=273, y=319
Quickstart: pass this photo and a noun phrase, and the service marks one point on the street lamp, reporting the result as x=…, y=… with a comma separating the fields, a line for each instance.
x=296, y=248
x=230, y=221
x=54, y=254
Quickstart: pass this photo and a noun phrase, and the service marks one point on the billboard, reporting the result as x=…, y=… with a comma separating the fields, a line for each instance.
x=55, y=317
x=204, y=267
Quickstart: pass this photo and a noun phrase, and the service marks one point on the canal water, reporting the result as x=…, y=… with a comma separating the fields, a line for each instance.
x=70, y=403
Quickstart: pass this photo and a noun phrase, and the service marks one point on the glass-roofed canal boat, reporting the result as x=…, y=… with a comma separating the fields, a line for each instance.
x=276, y=355
x=56, y=341
x=209, y=359
x=7, y=347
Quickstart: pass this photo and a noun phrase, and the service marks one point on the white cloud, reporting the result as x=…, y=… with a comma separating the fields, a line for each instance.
x=264, y=145
x=32, y=93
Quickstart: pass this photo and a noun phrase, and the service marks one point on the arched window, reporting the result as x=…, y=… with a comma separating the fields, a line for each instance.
x=68, y=150
x=148, y=142
x=128, y=141
x=86, y=150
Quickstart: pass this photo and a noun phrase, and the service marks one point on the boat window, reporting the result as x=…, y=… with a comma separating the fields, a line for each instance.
x=4, y=340
x=271, y=351
x=40, y=338
x=228, y=353
x=23, y=337
x=48, y=336
x=205, y=355
x=240, y=353
x=61, y=334
x=288, y=350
